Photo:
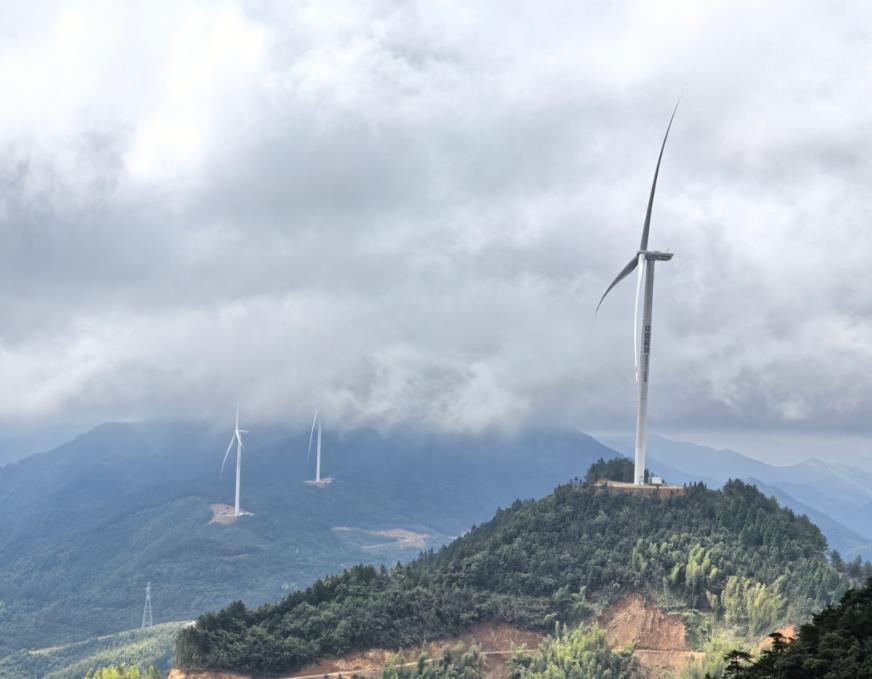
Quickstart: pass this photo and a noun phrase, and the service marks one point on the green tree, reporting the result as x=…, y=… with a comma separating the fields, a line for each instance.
x=582, y=652
x=122, y=672
x=615, y=469
x=737, y=663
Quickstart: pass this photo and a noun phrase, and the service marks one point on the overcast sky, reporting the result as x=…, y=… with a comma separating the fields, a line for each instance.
x=404, y=213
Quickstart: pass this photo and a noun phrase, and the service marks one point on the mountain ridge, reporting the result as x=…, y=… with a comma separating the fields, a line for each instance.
x=560, y=558
x=125, y=503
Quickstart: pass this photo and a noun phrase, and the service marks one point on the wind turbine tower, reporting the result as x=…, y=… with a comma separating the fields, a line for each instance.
x=318, y=457
x=643, y=261
x=146, y=612
x=318, y=481
x=236, y=438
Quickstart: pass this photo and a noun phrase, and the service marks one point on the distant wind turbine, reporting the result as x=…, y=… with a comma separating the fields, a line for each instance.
x=318, y=481
x=644, y=260
x=237, y=437
x=311, y=433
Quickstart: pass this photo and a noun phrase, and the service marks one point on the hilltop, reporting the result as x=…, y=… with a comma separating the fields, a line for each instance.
x=727, y=561
x=838, y=498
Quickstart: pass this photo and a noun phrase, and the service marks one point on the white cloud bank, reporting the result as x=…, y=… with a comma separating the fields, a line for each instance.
x=405, y=213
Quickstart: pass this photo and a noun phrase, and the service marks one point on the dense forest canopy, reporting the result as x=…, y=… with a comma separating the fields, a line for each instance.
x=733, y=553
x=582, y=652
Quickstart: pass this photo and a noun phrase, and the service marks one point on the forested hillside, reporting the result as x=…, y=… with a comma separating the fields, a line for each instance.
x=140, y=647
x=731, y=555
x=125, y=504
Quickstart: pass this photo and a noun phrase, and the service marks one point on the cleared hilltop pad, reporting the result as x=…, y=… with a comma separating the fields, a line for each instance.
x=660, y=489
x=729, y=560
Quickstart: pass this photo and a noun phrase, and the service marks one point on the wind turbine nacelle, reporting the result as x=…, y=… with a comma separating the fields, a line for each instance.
x=656, y=256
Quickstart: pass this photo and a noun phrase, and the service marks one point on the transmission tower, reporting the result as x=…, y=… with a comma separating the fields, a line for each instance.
x=146, y=612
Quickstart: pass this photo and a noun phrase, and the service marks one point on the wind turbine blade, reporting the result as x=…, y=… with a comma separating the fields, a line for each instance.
x=229, y=446
x=626, y=271
x=311, y=434
x=647, y=228
x=237, y=416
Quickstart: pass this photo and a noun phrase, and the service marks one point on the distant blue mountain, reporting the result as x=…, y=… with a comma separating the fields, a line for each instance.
x=848, y=542
x=19, y=442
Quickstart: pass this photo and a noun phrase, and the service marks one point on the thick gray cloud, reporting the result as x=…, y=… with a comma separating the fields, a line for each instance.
x=405, y=213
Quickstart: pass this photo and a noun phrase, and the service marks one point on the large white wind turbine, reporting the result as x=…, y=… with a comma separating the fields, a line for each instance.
x=237, y=437
x=643, y=260
x=318, y=481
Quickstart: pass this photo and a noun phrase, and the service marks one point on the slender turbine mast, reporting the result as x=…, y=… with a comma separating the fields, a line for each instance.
x=318, y=456
x=643, y=260
x=315, y=423
x=316, y=427
x=237, y=437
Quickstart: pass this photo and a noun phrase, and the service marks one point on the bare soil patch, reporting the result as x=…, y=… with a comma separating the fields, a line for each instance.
x=789, y=632
x=497, y=642
x=658, y=637
x=222, y=514
x=647, y=489
x=632, y=621
x=400, y=538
